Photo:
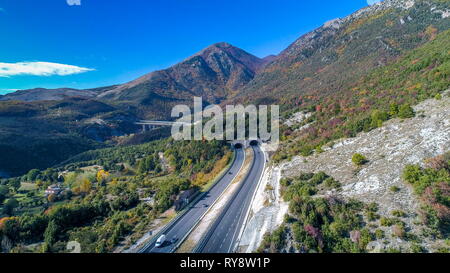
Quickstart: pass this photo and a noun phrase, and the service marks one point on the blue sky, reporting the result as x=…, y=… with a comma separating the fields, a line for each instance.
x=49, y=43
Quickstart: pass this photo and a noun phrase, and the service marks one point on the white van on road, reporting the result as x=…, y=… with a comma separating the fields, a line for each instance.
x=161, y=240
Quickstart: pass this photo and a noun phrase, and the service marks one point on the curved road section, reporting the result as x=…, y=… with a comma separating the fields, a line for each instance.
x=224, y=233
x=185, y=223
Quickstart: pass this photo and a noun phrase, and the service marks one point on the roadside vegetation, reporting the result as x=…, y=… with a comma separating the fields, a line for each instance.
x=318, y=224
x=432, y=184
x=100, y=197
x=386, y=93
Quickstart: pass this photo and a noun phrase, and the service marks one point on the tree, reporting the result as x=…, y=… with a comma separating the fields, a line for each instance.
x=10, y=205
x=14, y=183
x=359, y=159
x=51, y=198
x=147, y=164
x=50, y=233
x=85, y=186
x=378, y=117
x=33, y=174
x=406, y=111
x=393, y=109
x=49, y=175
x=102, y=176
x=4, y=191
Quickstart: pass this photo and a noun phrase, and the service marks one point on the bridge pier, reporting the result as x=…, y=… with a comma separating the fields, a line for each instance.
x=147, y=127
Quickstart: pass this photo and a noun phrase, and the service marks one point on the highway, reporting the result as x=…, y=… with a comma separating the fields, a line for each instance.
x=223, y=234
x=184, y=224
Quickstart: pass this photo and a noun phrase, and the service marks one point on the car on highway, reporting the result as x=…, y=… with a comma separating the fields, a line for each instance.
x=174, y=240
x=161, y=240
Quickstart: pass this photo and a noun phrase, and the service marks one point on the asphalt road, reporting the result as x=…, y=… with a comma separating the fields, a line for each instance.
x=188, y=220
x=223, y=235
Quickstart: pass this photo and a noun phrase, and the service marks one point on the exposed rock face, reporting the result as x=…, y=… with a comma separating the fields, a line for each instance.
x=389, y=149
x=267, y=211
x=297, y=118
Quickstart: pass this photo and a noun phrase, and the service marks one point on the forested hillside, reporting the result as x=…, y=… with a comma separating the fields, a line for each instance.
x=328, y=60
x=101, y=197
x=385, y=93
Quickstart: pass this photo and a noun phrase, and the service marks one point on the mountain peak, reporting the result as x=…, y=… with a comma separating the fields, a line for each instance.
x=222, y=45
x=214, y=73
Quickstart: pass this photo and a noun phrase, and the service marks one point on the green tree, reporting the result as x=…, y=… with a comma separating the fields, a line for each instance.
x=10, y=205
x=14, y=183
x=50, y=233
x=393, y=109
x=33, y=174
x=359, y=159
x=406, y=111
x=4, y=191
x=378, y=117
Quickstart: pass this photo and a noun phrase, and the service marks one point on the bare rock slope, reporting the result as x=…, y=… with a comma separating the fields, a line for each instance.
x=389, y=149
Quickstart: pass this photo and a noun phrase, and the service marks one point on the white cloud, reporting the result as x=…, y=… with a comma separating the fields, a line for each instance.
x=40, y=69
x=74, y=2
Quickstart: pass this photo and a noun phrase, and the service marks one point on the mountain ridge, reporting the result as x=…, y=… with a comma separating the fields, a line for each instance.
x=214, y=73
x=332, y=57
x=320, y=72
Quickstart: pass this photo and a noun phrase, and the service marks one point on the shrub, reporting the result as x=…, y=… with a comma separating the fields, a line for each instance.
x=359, y=159
x=371, y=210
x=372, y=207
x=272, y=243
x=379, y=234
x=378, y=117
x=398, y=213
x=318, y=178
x=386, y=222
x=372, y=216
x=433, y=187
x=406, y=111
x=416, y=248
x=393, y=109
x=394, y=189
x=285, y=182
x=398, y=231
x=332, y=184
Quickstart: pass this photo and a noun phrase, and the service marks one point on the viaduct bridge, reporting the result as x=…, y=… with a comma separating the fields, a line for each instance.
x=152, y=124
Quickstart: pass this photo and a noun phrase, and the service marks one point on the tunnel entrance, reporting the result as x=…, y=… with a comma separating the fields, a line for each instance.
x=238, y=146
x=254, y=143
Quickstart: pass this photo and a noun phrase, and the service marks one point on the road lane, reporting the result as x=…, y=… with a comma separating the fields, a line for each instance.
x=222, y=236
x=190, y=218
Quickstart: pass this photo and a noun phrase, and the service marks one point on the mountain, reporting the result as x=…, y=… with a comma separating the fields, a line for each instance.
x=43, y=94
x=336, y=71
x=41, y=134
x=215, y=74
x=47, y=126
x=331, y=58
x=350, y=71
